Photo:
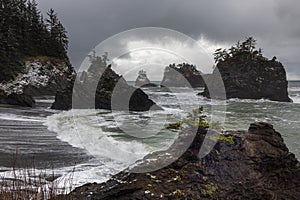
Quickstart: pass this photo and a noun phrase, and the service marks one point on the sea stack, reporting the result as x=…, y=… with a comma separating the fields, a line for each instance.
x=143, y=81
x=247, y=74
x=96, y=88
x=179, y=75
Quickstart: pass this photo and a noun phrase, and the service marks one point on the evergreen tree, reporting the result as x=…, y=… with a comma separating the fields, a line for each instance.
x=245, y=51
x=58, y=34
x=23, y=33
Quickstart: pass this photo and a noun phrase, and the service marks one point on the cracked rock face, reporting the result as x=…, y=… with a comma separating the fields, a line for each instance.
x=253, y=164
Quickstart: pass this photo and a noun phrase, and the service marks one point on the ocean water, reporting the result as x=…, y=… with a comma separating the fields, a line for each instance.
x=93, y=145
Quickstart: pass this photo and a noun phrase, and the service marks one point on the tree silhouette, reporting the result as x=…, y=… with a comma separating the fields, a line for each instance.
x=241, y=51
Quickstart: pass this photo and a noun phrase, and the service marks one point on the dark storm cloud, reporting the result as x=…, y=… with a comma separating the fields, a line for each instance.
x=274, y=23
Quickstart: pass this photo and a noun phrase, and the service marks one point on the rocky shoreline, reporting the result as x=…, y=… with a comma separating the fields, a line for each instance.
x=253, y=164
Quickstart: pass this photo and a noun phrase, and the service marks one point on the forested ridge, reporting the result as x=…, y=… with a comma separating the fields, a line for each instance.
x=24, y=32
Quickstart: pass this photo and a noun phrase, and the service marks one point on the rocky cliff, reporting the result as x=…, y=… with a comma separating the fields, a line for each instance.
x=253, y=164
x=41, y=76
x=95, y=89
x=179, y=75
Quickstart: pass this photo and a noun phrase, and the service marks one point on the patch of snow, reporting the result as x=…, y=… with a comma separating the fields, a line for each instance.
x=36, y=74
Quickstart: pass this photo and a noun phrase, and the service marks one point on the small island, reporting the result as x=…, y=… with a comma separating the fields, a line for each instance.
x=182, y=75
x=247, y=74
x=143, y=81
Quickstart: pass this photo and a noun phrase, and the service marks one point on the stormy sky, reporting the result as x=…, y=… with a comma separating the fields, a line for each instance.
x=212, y=24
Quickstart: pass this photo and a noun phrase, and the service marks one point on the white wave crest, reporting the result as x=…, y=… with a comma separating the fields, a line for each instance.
x=82, y=129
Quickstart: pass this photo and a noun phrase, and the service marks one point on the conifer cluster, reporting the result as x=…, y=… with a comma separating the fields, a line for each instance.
x=24, y=32
x=245, y=51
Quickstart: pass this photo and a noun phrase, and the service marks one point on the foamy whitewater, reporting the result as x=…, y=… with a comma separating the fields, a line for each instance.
x=106, y=145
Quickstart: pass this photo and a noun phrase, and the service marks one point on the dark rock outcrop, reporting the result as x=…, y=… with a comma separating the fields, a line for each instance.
x=253, y=164
x=149, y=85
x=178, y=76
x=41, y=76
x=247, y=76
x=23, y=100
x=95, y=89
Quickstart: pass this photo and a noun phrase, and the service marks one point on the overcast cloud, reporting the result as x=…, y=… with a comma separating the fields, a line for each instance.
x=274, y=23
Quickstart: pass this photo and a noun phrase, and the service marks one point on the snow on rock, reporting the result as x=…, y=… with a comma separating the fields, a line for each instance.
x=38, y=73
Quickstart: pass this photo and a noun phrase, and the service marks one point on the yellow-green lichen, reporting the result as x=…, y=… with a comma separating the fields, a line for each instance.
x=175, y=125
x=210, y=189
x=229, y=139
x=177, y=193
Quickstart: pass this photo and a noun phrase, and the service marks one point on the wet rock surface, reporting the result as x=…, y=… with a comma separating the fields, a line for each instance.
x=253, y=164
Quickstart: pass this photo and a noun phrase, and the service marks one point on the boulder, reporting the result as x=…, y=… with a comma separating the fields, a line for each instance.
x=247, y=76
x=253, y=164
x=180, y=75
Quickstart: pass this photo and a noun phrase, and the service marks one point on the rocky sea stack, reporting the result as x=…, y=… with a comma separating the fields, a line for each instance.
x=96, y=87
x=253, y=164
x=181, y=75
x=249, y=75
x=40, y=76
x=143, y=81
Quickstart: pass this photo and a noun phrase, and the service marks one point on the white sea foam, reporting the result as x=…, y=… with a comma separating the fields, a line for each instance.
x=113, y=150
x=249, y=100
x=49, y=101
x=294, y=89
x=295, y=98
x=82, y=129
x=14, y=117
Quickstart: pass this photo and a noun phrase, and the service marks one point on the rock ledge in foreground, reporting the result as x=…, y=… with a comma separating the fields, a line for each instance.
x=253, y=164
